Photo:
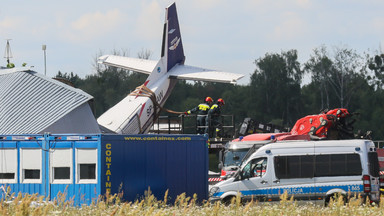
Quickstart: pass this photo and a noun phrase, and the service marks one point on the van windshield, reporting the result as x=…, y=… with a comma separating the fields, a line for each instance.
x=234, y=157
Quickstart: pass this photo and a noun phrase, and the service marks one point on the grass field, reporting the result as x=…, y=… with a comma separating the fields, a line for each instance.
x=36, y=205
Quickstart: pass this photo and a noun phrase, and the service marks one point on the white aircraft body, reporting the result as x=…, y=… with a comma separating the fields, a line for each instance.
x=135, y=114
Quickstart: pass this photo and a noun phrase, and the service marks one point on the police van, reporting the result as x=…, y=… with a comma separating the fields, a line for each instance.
x=308, y=170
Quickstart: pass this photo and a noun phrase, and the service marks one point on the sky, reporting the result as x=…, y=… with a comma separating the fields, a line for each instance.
x=225, y=35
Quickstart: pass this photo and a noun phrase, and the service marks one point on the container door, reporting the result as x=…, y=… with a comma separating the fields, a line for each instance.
x=255, y=182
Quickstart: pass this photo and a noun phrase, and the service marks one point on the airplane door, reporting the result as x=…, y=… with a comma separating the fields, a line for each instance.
x=133, y=124
x=256, y=180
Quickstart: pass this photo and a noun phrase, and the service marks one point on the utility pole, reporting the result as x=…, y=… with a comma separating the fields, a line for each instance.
x=44, y=47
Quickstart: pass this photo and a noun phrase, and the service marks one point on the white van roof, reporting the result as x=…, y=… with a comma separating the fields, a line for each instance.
x=328, y=144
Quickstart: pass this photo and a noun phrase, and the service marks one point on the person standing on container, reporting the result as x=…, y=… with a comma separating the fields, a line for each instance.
x=202, y=111
x=213, y=118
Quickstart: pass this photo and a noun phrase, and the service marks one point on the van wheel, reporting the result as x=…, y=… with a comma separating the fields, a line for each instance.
x=227, y=200
x=335, y=197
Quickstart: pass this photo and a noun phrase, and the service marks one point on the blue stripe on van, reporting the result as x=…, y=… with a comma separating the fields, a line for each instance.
x=355, y=188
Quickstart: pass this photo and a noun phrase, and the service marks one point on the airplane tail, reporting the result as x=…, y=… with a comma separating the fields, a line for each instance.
x=136, y=116
x=172, y=56
x=172, y=46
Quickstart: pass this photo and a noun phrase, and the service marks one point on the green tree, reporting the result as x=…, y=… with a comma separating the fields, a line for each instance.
x=275, y=87
x=70, y=78
x=318, y=66
x=348, y=64
x=376, y=64
x=333, y=77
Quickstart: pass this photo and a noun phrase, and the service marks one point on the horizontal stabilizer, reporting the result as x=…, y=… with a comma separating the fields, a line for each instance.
x=135, y=64
x=201, y=74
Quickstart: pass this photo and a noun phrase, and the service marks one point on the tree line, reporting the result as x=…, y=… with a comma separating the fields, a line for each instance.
x=334, y=78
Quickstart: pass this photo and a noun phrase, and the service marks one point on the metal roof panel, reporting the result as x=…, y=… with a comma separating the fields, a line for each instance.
x=31, y=102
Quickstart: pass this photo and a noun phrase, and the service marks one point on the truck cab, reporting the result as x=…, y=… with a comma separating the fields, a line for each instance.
x=233, y=154
x=231, y=157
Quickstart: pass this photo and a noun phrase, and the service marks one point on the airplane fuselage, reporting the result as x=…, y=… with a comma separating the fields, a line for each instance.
x=139, y=111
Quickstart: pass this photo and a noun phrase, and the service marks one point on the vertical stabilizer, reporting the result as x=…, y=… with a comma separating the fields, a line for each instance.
x=172, y=47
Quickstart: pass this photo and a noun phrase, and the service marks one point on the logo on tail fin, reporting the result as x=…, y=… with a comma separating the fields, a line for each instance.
x=174, y=43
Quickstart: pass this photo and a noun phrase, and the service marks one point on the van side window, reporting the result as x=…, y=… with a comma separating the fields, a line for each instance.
x=309, y=166
x=294, y=166
x=338, y=165
x=255, y=168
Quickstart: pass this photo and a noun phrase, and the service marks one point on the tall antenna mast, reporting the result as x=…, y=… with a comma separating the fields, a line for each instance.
x=8, y=52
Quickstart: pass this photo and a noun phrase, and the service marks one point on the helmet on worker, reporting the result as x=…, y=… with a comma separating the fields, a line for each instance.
x=220, y=101
x=208, y=100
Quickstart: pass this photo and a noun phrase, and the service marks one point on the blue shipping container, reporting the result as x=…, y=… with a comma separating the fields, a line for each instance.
x=87, y=166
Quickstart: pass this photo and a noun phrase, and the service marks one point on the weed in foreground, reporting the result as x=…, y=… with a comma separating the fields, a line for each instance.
x=25, y=204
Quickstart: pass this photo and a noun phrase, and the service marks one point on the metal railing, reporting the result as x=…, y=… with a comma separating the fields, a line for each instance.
x=379, y=143
x=187, y=124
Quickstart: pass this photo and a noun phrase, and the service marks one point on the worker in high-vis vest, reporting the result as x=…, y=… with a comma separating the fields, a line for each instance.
x=202, y=112
x=213, y=119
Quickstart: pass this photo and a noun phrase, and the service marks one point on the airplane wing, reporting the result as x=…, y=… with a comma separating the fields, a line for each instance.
x=135, y=64
x=201, y=74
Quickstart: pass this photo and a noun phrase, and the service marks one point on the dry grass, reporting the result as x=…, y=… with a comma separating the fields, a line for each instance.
x=112, y=205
